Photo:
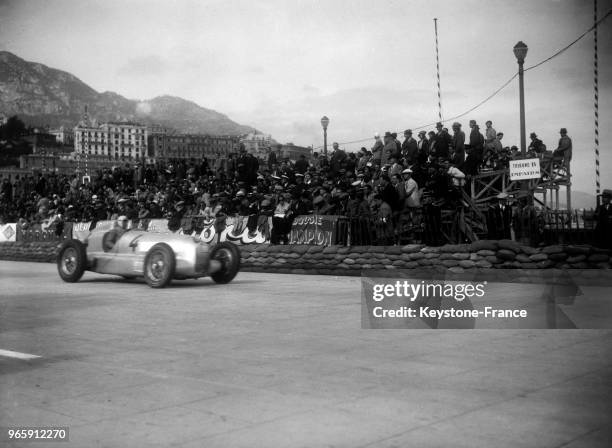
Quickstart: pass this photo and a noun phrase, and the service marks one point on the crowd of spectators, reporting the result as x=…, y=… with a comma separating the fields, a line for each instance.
x=393, y=184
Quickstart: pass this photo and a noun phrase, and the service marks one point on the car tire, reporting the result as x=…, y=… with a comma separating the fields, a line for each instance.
x=159, y=266
x=229, y=256
x=71, y=261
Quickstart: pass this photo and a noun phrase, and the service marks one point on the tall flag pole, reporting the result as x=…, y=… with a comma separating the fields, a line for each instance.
x=438, y=71
x=596, y=102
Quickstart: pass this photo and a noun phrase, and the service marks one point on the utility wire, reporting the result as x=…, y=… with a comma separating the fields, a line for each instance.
x=572, y=43
x=503, y=85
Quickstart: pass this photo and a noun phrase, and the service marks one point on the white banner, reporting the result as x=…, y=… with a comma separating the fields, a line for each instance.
x=524, y=169
x=8, y=232
x=80, y=230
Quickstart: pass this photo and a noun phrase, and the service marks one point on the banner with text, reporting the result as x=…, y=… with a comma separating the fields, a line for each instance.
x=524, y=169
x=320, y=230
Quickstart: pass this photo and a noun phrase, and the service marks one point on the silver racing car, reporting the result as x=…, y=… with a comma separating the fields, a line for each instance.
x=157, y=257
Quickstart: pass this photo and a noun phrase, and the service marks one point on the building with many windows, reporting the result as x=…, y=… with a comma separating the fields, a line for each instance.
x=63, y=136
x=125, y=140
x=258, y=144
x=187, y=146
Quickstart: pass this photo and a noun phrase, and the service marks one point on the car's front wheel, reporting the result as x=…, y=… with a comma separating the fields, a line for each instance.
x=71, y=261
x=229, y=256
x=159, y=266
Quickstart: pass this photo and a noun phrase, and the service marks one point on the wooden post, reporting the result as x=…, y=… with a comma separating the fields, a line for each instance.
x=568, y=188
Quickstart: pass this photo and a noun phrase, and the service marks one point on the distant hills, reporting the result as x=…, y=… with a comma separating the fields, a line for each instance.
x=580, y=199
x=42, y=95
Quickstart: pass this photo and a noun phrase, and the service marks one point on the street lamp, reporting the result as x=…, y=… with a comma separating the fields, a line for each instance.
x=324, y=123
x=520, y=51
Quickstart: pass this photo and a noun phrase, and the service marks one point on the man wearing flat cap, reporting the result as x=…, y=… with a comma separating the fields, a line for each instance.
x=603, y=214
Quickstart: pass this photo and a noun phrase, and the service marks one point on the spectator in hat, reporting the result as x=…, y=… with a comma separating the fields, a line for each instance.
x=388, y=192
x=411, y=190
x=499, y=218
x=458, y=153
x=384, y=220
x=398, y=145
x=564, y=150
x=337, y=159
x=362, y=158
x=303, y=206
x=603, y=216
x=410, y=148
x=423, y=147
x=490, y=136
x=536, y=144
x=475, y=152
x=280, y=220
x=443, y=141
x=396, y=168
x=273, y=156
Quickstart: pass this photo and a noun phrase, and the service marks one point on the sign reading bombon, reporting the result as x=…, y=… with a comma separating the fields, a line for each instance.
x=524, y=169
x=313, y=229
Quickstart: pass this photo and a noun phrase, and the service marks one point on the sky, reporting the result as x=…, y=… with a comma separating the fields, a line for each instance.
x=280, y=65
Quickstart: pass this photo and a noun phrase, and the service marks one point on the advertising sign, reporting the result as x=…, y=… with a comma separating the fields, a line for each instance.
x=314, y=229
x=8, y=232
x=525, y=169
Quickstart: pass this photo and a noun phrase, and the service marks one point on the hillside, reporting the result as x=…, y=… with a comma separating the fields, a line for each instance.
x=42, y=95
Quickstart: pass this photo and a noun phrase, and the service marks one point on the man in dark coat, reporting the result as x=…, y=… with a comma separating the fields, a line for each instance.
x=388, y=192
x=603, y=215
x=499, y=218
x=476, y=150
x=410, y=148
x=458, y=157
x=423, y=147
x=337, y=159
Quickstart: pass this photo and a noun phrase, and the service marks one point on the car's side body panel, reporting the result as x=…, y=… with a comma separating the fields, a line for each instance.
x=128, y=254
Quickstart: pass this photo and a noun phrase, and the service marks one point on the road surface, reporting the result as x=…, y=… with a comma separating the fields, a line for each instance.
x=276, y=360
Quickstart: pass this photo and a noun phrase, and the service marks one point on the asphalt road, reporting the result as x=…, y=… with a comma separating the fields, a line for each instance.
x=281, y=361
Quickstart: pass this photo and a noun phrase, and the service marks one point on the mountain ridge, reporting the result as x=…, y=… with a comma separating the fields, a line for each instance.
x=42, y=95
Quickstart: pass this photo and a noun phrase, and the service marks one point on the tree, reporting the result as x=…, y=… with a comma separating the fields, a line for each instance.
x=12, y=129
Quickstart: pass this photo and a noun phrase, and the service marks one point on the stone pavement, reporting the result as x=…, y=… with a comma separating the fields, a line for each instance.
x=280, y=361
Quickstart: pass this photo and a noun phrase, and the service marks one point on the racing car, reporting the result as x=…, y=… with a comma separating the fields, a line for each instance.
x=157, y=257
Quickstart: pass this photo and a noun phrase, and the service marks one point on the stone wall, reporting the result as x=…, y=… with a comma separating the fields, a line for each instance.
x=340, y=260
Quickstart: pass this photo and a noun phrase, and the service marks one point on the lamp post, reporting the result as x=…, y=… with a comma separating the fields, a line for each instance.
x=324, y=123
x=520, y=51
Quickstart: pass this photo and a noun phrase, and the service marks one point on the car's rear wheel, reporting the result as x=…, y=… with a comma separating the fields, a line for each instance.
x=229, y=256
x=159, y=266
x=71, y=261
